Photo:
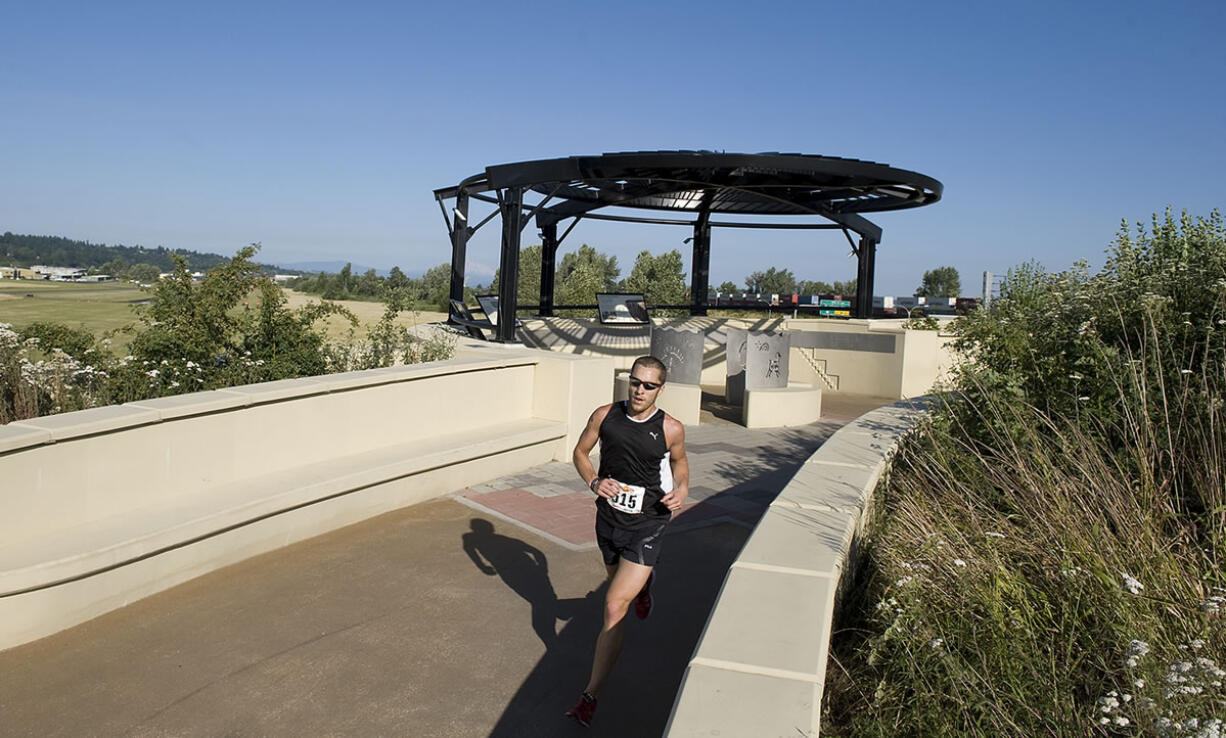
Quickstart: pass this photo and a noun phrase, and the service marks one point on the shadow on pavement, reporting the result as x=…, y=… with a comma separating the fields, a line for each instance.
x=523, y=569
x=639, y=695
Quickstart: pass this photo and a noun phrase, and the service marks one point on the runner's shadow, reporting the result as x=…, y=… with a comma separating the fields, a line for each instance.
x=524, y=569
x=639, y=695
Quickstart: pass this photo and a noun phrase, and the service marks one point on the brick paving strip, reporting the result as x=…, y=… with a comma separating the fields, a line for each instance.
x=551, y=501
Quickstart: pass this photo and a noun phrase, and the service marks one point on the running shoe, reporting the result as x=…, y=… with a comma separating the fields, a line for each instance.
x=643, y=603
x=584, y=710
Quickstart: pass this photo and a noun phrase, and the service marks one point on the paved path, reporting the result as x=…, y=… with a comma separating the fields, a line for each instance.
x=469, y=616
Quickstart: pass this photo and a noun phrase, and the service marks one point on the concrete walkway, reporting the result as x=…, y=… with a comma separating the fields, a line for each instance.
x=468, y=616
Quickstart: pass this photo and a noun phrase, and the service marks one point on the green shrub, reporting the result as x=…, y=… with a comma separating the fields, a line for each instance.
x=1047, y=554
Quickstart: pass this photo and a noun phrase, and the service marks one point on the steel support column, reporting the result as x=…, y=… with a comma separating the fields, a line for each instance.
x=700, y=263
x=508, y=274
x=864, y=277
x=549, y=255
x=459, y=244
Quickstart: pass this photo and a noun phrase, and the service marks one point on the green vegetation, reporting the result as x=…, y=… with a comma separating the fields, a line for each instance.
x=431, y=291
x=775, y=281
x=197, y=335
x=1047, y=553
x=117, y=261
x=940, y=282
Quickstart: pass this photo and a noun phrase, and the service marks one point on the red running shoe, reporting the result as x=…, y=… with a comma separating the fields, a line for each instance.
x=584, y=710
x=643, y=603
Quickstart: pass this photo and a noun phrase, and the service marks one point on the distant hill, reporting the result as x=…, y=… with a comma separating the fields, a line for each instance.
x=24, y=250
x=330, y=267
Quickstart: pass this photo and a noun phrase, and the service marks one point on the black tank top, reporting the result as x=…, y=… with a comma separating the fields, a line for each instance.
x=634, y=453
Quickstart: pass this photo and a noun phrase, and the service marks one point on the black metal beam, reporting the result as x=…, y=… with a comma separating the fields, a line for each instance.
x=508, y=275
x=700, y=262
x=864, y=277
x=549, y=257
x=459, y=245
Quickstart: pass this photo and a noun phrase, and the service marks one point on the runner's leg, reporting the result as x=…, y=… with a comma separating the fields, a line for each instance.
x=627, y=581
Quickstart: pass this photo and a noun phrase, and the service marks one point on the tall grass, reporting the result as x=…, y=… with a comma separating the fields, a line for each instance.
x=1047, y=556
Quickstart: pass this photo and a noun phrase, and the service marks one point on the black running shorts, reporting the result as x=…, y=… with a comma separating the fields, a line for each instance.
x=638, y=545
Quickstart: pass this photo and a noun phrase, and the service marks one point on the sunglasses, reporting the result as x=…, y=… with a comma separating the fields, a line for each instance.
x=636, y=382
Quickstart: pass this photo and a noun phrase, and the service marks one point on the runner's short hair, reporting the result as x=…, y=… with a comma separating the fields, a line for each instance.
x=651, y=362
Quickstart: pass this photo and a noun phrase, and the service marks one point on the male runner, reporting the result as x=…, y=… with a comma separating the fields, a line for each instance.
x=644, y=478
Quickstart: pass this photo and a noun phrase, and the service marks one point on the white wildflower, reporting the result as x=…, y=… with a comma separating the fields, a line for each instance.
x=1136, y=650
x=959, y=562
x=936, y=642
x=1131, y=583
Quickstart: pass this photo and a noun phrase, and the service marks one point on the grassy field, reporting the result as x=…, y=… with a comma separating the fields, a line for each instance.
x=99, y=308
x=105, y=307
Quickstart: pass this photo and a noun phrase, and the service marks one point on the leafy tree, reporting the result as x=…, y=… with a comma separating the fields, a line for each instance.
x=397, y=280
x=772, y=281
x=435, y=288
x=116, y=267
x=529, y=290
x=144, y=273
x=368, y=284
x=844, y=288
x=579, y=288
x=809, y=287
x=660, y=279
x=940, y=282
x=727, y=287
x=602, y=265
x=204, y=325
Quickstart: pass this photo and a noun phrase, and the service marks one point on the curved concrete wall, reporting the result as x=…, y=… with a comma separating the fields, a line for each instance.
x=760, y=665
x=104, y=506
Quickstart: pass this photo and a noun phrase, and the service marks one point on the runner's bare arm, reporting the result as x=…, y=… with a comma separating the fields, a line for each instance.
x=583, y=451
x=674, y=434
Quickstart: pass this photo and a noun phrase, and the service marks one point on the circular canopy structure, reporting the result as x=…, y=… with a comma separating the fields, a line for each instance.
x=694, y=184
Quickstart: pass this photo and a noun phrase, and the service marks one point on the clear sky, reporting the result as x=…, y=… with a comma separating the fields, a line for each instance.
x=321, y=129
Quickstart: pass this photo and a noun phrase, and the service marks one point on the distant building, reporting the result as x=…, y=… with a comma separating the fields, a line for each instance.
x=59, y=274
x=19, y=273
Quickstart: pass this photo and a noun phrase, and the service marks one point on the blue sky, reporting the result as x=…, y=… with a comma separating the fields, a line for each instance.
x=321, y=129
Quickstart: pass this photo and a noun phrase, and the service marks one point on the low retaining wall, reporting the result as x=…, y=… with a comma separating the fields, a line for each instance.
x=880, y=358
x=105, y=506
x=760, y=666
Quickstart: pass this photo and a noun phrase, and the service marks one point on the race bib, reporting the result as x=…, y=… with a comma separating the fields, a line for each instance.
x=629, y=499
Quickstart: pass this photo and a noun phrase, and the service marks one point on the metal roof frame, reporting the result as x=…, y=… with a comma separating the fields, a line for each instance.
x=695, y=184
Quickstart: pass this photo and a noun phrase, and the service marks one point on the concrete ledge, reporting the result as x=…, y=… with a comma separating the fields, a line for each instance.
x=108, y=505
x=682, y=401
x=760, y=666
x=89, y=548
x=783, y=406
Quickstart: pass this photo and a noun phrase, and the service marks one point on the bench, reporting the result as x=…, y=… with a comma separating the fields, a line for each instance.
x=232, y=473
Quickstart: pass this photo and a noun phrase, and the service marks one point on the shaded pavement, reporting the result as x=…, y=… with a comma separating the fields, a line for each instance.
x=469, y=616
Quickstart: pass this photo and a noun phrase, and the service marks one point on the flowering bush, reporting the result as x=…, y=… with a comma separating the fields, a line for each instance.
x=196, y=336
x=1047, y=555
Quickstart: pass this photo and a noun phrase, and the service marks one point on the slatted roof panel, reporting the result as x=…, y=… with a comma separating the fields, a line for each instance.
x=768, y=183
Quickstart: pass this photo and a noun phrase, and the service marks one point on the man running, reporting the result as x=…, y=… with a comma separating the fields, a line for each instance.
x=644, y=478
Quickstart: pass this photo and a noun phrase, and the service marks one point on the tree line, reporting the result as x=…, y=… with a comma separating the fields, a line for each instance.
x=126, y=262
x=582, y=273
